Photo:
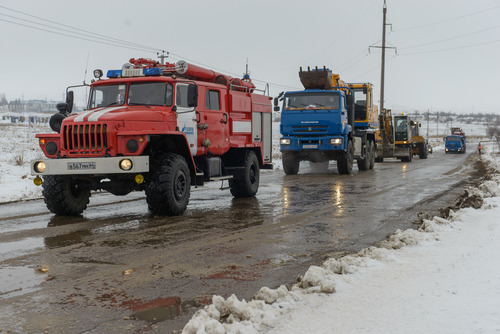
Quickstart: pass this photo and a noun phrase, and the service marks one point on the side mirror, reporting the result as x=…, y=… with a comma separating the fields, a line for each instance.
x=276, y=106
x=192, y=95
x=70, y=97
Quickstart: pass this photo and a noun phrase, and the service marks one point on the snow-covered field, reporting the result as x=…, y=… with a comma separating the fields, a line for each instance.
x=442, y=278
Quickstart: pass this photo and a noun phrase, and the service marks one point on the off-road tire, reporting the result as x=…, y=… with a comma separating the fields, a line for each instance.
x=291, y=164
x=245, y=182
x=372, y=153
x=346, y=159
x=168, y=190
x=65, y=196
x=364, y=164
x=422, y=151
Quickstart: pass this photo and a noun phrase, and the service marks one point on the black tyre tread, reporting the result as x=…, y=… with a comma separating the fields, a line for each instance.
x=59, y=197
x=246, y=182
x=291, y=164
x=160, y=190
x=345, y=161
x=364, y=164
x=372, y=154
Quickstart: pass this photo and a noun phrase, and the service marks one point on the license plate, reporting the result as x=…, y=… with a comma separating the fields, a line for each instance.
x=81, y=165
x=309, y=146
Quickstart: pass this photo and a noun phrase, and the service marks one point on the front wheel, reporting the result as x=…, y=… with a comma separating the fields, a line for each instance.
x=291, y=164
x=168, y=191
x=345, y=160
x=64, y=195
x=245, y=183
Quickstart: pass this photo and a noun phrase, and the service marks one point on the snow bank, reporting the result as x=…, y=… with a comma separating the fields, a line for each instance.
x=270, y=305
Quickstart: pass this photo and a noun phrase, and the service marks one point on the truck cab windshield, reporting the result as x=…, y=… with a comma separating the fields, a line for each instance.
x=104, y=96
x=312, y=101
x=143, y=93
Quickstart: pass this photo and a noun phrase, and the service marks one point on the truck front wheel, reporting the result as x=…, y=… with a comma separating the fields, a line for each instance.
x=64, y=195
x=345, y=160
x=167, y=193
x=290, y=162
x=245, y=183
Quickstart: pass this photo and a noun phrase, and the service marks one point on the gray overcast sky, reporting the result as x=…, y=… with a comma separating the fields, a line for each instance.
x=448, y=50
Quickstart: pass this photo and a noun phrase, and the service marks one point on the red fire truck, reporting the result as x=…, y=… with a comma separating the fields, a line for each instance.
x=158, y=128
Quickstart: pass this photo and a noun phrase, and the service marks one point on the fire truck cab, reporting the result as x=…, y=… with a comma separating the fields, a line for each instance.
x=158, y=128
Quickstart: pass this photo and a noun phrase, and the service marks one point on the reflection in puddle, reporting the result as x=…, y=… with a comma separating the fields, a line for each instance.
x=13, y=249
x=17, y=281
x=162, y=308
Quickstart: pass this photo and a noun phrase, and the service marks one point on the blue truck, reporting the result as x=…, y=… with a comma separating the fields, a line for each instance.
x=329, y=120
x=456, y=142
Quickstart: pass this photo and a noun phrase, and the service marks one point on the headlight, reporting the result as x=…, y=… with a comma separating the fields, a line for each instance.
x=126, y=164
x=39, y=167
x=285, y=141
x=336, y=141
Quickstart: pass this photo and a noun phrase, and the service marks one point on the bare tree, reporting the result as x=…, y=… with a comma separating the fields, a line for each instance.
x=493, y=130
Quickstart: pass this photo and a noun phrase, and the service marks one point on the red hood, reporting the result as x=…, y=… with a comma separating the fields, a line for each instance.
x=119, y=113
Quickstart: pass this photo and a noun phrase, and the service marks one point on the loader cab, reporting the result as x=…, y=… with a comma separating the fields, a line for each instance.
x=402, y=129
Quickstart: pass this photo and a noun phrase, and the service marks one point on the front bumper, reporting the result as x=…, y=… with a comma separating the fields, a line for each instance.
x=312, y=143
x=90, y=166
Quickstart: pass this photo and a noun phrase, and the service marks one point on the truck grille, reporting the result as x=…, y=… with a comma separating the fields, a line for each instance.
x=309, y=129
x=85, y=138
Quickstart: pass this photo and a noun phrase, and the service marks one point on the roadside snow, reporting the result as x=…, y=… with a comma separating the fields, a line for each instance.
x=442, y=278
x=18, y=146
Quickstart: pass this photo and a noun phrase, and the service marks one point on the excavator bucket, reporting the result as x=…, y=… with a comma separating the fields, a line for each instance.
x=316, y=78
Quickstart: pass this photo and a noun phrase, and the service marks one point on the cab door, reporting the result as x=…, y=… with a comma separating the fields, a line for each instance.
x=187, y=119
x=216, y=118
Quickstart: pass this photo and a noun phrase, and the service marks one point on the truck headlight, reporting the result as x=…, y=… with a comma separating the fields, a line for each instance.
x=39, y=167
x=126, y=164
x=285, y=141
x=336, y=141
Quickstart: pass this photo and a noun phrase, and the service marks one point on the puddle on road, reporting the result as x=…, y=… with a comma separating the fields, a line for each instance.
x=17, y=281
x=13, y=249
x=162, y=309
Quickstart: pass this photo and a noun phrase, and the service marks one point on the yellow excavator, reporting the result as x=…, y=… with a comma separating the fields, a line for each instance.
x=394, y=137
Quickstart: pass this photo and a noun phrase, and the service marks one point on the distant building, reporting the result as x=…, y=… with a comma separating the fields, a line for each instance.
x=33, y=106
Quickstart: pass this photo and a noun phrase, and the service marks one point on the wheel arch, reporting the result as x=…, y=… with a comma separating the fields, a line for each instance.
x=174, y=144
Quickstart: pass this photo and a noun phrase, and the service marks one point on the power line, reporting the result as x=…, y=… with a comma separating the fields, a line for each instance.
x=451, y=38
x=103, y=39
x=87, y=33
x=447, y=20
x=452, y=49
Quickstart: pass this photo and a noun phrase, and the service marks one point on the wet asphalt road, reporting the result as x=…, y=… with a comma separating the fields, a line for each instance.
x=117, y=269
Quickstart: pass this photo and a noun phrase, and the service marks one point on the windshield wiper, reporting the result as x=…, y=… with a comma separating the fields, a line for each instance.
x=138, y=104
x=111, y=104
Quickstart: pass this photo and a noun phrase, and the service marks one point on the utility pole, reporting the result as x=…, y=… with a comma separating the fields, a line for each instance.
x=162, y=56
x=382, y=71
x=383, y=47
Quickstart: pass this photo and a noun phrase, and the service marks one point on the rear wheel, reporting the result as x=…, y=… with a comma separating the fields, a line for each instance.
x=364, y=164
x=245, y=183
x=372, y=154
x=64, y=195
x=168, y=191
x=290, y=162
x=346, y=159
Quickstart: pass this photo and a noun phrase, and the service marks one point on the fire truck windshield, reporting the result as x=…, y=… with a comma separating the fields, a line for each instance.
x=150, y=93
x=104, y=96
x=143, y=93
x=312, y=101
